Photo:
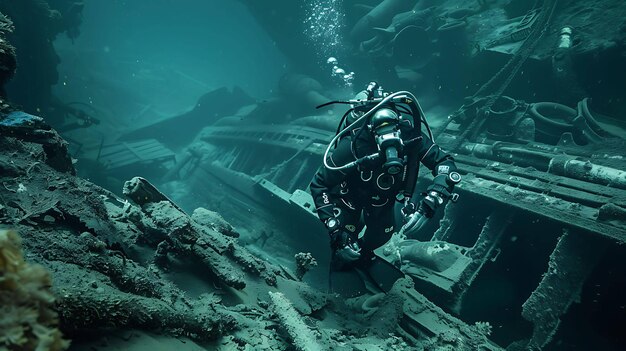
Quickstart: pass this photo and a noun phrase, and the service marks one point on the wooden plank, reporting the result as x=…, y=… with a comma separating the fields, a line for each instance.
x=123, y=146
x=571, y=195
x=129, y=148
x=120, y=157
x=618, y=195
x=148, y=147
x=126, y=156
x=143, y=142
x=131, y=159
x=126, y=162
x=157, y=153
x=488, y=189
x=286, y=145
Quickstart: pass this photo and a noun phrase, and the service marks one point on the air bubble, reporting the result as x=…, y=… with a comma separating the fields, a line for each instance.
x=324, y=24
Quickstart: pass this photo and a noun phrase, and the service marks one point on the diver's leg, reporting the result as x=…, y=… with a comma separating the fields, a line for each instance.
x=380, y=226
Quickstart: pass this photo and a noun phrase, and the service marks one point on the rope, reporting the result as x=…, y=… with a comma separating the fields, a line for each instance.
x=511, y=67
x=525, y=50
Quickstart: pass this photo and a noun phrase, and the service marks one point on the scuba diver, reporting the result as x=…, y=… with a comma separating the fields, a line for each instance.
x=375, y=162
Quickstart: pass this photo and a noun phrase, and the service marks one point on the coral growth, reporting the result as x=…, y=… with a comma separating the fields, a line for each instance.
x=6, y=25
x=304, y=262
x=484, y=327
x=27, y=321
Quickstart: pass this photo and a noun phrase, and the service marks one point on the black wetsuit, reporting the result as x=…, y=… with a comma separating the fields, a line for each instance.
x=366, y=196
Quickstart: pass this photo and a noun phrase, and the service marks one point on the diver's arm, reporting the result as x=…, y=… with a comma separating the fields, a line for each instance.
x=443, y=167
x=343, y=244
x=325, y=180
x=445, y=175
x=433, y=157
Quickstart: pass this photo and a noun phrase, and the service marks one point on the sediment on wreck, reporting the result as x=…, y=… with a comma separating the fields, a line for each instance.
x=67, y=227
x=109, y=257
x=301, y=335
x=186, y=238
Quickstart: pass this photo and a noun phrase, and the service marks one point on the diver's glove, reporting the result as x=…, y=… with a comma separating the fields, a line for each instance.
x=414, y=218
x=409, y=208
x=439, y=191
x=435, y=196
x=430, y=203
x=344, y=246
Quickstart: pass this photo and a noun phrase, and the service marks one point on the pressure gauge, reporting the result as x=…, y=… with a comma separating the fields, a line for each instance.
x=332, y=224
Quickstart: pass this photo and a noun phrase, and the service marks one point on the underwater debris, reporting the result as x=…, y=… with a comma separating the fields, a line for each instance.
x=98, y=306
x=302, y=336
x=191, y=241
x=122, y=261
x=31, y=128
x=85, y=236
x=484, y=327
x=214, y=221
x=571, y=262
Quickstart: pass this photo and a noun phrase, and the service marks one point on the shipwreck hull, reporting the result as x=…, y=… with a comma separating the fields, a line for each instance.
x=538, y=236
